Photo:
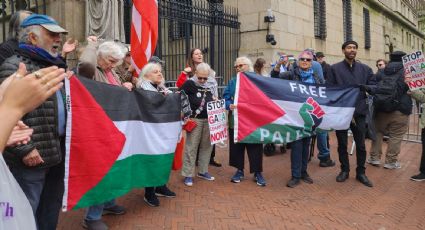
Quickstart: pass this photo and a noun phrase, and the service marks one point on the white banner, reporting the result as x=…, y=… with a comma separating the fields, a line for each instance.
x=414, y=68
x=217, y=121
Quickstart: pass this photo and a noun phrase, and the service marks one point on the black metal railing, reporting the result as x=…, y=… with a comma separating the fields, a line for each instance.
x=208, y=25
x=10, y=7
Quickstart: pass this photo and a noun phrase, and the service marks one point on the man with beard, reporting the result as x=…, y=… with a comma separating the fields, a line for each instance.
x=344, y=73
x=38, y=165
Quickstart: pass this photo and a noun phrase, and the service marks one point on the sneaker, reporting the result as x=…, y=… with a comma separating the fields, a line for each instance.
x=293, y=182
x=188, y=181
x=306, y=178
x=327, y=163
x=164, y=191
x=206, y=176
x=419, y=177
x=151, y=200
x=237, y=177
x=395, y=165
x=114, y=210
x=94, y=225
x=259, y=179
x=373, y=162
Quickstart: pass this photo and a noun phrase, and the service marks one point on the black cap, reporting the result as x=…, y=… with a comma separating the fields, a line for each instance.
x=155, y=59
x=350, y=43
x=320, y=54
x=396, y=56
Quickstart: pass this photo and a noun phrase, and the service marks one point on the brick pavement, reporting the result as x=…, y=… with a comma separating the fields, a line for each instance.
x=394, y=202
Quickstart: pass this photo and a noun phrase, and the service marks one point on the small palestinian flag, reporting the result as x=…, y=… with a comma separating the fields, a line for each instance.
x=116, y=140
x=270, y=110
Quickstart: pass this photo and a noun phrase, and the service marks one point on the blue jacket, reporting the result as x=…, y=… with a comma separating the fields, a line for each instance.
x=358, y=74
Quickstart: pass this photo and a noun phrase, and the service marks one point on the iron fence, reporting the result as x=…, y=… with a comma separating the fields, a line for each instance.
x=10, y=7
x=413, y=130
x=205, y=24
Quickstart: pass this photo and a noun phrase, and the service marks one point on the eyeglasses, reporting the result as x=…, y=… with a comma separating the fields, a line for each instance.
x=239, y=66
x=380, y=64
x=305, y=59
x=202, y=78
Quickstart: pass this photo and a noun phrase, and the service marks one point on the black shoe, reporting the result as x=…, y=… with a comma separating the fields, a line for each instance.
x=215, y=163
x=293, y=182
x=327, y=163
x=342, y=176
x=419, y=177
x=151, y=200
x=94, y=225
x=306, y=178
x=164, y=191
x=364, y=180
x=114, y=210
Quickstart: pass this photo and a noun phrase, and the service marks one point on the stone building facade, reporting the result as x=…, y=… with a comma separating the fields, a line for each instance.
x=379, y=26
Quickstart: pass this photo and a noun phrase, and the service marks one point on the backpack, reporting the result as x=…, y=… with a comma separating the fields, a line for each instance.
x=388, y=93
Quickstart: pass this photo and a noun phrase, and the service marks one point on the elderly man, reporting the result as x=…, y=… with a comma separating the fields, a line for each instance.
x=38, y=166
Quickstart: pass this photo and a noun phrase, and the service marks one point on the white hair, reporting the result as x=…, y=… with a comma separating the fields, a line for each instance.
x=247, y=61
x=203, y=67
x=24, y=33
x=111, y=49
x=145, y=70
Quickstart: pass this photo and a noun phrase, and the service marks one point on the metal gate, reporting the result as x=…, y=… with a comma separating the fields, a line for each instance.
x=10, y=7
x=413, y=130
x=204, y=24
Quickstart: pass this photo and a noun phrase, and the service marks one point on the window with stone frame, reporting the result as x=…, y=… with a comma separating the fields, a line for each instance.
x=346, y=18
x=366, y=27
x=319, y=10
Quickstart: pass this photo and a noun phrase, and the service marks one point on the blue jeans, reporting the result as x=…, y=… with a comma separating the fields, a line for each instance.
x=299, y=156
x=322, y=145
x=95, y=212
x=44, y=189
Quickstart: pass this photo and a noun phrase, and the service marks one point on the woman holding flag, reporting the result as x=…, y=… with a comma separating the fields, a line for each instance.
x=303, y=72
x=237, y=150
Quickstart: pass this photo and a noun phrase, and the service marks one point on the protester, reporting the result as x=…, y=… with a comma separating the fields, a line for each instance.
x=194, y=59
x=325, y=66
x=103, y=58
x=150, y=79
x=391, y=119
x=380, y=64
x=260, y=67
x=7, y=48
x=419, y=96
x=345, y=73
x=199, y=93
x=303, y=72
x=38, y=166
x=125, y=70
x=237, y=150
x=20, y=94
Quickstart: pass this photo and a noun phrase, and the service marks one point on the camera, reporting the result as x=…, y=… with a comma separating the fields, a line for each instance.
x=270, y=39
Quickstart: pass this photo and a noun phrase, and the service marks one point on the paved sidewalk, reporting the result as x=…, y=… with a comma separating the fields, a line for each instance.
x=394, y=202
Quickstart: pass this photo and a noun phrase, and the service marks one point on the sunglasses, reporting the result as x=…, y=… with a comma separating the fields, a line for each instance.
x=239, y=66
x=305, y=59
x=202, y=78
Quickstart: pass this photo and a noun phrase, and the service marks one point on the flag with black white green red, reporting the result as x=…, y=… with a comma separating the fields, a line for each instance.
x=272, y=110
x=116, y=140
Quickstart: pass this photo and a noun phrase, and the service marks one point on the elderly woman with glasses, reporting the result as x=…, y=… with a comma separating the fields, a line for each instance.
x=302, y=72
x=237, y=150
x=199, y=93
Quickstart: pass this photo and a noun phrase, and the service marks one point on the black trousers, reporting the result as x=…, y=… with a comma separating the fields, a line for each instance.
x=422, y=166
x=359, y=131
x=237, y=155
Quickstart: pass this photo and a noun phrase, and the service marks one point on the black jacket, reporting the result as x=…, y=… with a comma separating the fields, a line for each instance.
x=358, y=74
x=8, y=49
x=195, y=94
x=326, y=69
x=396, y=68
x=44, y=119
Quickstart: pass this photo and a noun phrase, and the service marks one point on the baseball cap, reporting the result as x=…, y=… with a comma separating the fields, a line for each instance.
x=155, y=59
x=45, y=21
x=320, y=54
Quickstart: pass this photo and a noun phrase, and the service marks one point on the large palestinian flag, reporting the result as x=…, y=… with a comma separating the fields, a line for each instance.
x=116, y=141
x=271, y=110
